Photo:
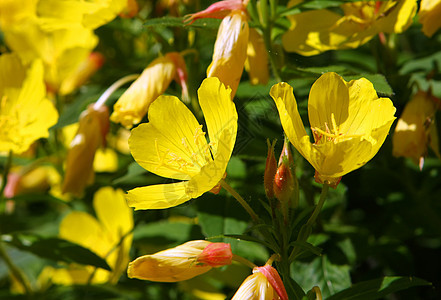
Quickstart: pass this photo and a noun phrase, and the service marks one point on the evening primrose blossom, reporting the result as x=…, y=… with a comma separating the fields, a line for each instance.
x=108, y=235
x=25, y=113
x=182, y=262
x=348, y=121
x=316, y=31
x=174, y=145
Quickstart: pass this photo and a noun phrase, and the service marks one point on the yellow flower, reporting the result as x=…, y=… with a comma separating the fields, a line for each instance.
x=91, y=14
x=91, y=133
x=13, y=11
x=173, y=145
x=25, y=113
x=415, y=128
x=102, y=235
x=348, y=121
x=132, y=106
x=61, y=50
x=264, y=284
x=182, y=262
x=257, y=59
x=316, y=31
x=429, y=16
x=230, y=50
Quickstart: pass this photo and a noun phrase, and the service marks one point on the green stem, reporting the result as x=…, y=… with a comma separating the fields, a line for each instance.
x=319, y=205
x=242, y=202
x=271, y=53
x=5, y=179
x=306, y=229
x=15, y=271
x=243, y=261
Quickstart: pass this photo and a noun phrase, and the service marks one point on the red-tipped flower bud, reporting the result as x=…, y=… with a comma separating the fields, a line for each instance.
x=216, y=255
x=284, y=181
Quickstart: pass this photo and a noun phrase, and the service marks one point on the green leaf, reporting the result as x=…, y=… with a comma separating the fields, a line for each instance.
x=55, y=249
x=331, y=278
x=218, y=216
x=306, y=248
x=378, y=288
x=134, y=170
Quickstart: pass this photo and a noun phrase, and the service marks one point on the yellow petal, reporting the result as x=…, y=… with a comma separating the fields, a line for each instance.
x=292, y=124
x=90, y=14
x=170, y=151
x=328, y=95
x=171, y=265
x=230, y=50
x=113, y=212
x=106, y=160
x=25, y=114
x=398, y=16
x=310, y=38
x=255, y=286
x=411, y=136
x=257, y=59
x=158, y=196
x=219, y=112
x=83, y=229
x=429, y=13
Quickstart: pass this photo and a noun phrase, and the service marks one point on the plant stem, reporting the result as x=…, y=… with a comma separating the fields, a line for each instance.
x=116, y=85
x=5, y=179
x=306, y=229
x=242, y=202
x=243, y=261
x=319, y=205
x=15, y=271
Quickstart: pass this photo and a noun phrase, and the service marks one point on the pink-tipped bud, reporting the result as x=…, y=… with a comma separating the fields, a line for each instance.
x=270, y=170
x=216, y=255
x=218, y=10
x=274, y=279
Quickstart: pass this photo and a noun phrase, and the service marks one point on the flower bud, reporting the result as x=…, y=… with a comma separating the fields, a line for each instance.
x=270, y=171
x=230, y=50
x=284, y=181
x=216, y=255
x=181, y=263
x=264, y=283
x=91, y=134
x=132, y=106
x=217, y=10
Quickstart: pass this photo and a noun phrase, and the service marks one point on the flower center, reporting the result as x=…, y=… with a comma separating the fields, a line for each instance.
x=198, y=157
x=332, y=134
